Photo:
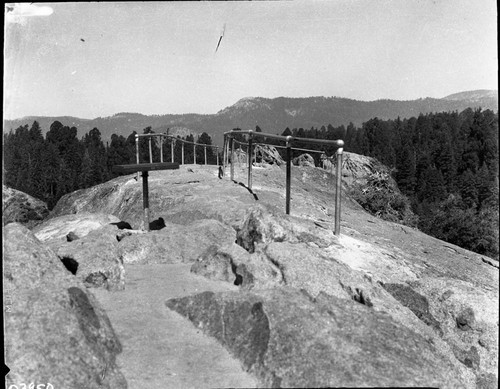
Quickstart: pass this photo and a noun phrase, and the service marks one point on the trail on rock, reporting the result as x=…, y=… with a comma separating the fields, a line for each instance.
x=161, y=349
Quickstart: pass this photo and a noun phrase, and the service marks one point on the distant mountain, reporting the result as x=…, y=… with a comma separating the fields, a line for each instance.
x=271, y=115
x=480, y=95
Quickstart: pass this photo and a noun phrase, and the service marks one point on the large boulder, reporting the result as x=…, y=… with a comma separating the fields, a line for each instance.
x=268, y=154
x=79, y=224
x=263, y=225
x=20, y=207
x=94, y=259
x=287, y=338
x=55, y=331
x=235, y=265
x=304, y=160
x=175, y=243
x=358, y=168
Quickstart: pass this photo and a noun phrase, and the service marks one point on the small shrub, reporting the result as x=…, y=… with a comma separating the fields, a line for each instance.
x=381, y=197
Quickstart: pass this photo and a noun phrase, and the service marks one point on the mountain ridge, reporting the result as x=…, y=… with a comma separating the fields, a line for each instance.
x=272, y=115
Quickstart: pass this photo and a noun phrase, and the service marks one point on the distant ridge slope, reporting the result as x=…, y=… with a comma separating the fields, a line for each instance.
x=474, y=95
x=271, y=115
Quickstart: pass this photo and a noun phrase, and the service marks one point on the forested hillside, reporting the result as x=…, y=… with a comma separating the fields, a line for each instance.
x=445, y=163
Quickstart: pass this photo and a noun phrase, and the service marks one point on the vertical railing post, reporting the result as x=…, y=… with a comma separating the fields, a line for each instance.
x=205, y=151
x=150, y=151
x=145, y=199
x=182, y=159
x=288, y=172
x=250, y=140
x=225, y=155
x=137, y=152
x=338, y=186
x=172, y=150
x=232, y=158
x=194, y=152
x=161, y=148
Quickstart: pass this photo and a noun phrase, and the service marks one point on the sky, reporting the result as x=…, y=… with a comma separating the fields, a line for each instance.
x=97, y=59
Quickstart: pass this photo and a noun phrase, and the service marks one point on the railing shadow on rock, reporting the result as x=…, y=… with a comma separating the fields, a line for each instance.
x=229, y=154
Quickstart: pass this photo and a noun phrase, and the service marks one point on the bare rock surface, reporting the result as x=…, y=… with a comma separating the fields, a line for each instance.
x=429, y=286
x=94, y=259
x=175, y=243
x=235, y=265
x=22, y=208
x=55, y=330
x=178, y=196
x=79, y=224
x=288, y=339
x=161, y=349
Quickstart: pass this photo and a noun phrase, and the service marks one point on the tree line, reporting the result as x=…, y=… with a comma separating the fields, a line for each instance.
x=49, y=167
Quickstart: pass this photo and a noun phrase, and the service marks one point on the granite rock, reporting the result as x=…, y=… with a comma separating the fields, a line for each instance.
x=287, y=338
x=55, y=330
x=175, y=243
x=94, y=259
x=22, y=208
x=304, y=160
x=79, y=224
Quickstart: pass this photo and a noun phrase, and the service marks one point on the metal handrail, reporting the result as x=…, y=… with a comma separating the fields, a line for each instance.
x=279, y=147
x=161, y=135
x=229, y=142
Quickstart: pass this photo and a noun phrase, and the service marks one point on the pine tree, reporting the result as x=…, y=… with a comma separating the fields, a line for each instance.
x=406, y=170
x=485, y=187
x=468, y=189
x=435, y=187
x=86, y=171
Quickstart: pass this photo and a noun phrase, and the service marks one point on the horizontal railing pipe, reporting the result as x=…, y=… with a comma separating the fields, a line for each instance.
x=337, y=142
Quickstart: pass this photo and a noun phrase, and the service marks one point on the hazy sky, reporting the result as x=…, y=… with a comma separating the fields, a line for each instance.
x=98, y=59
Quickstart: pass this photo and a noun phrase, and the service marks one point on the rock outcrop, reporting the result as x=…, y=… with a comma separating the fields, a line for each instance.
x=81, y=224
x=95, y=258
x=55, y=330
x=20, y=207
x=304, y=160
x=240, y=156
x=87, y=245
x=358, y=168
x=443, y=298
x=268, y=154
x=175, y=243
x=287, y=338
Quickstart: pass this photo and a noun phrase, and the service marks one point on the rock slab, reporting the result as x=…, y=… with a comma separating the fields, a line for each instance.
x=20, y=207
x=55, y=330
x=79, y=224
x=94, y=259
x=286, y=338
